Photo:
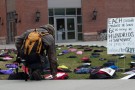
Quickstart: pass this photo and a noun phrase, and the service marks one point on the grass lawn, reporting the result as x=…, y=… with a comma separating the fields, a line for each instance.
x=72, y=63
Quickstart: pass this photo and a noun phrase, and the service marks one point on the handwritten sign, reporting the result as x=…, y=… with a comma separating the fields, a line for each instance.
x=121, y=35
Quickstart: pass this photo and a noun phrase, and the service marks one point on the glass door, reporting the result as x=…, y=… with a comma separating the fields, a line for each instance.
x=60, y=29
x=71, y=30
x=11, y=32
x=65, y=29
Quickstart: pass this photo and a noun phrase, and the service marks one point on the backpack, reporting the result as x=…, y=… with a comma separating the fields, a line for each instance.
x=30, y=41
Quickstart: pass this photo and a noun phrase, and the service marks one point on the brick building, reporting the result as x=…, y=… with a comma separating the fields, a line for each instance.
x=74, y=20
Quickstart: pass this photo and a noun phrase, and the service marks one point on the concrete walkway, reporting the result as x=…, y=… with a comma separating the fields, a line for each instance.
x=67, y=85
x=99, y=43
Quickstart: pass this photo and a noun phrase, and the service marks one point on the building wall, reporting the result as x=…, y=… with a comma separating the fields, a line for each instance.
x=10, y=5
x=3, y=18
x=106, y=9
x=64, y=3
x=122, y=8
x=26, y=13
x=26, y=10
x=3, y=28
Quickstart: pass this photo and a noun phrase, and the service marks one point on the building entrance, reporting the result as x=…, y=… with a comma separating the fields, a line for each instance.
x=11, y=28
x=65, y=29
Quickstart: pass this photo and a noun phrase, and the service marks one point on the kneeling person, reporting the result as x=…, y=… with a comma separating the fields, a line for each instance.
x=31, y=47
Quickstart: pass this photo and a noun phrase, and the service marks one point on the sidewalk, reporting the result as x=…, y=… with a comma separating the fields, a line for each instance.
x=99, y=43
x=67, y=85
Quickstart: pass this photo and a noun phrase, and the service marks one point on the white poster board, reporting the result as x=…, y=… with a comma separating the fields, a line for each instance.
x=121, y=35
x=108, y=70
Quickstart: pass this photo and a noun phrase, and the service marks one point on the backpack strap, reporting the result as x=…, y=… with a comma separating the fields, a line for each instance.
x=40, y=40
x=24, y=41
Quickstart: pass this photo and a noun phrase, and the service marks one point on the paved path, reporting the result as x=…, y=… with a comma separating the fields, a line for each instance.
x=99, y=43
x=68, y=85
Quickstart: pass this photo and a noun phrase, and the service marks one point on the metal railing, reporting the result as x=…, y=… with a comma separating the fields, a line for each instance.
x=102, y=35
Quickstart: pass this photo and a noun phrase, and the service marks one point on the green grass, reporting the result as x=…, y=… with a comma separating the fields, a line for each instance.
x=2, y=66
x=72, y=63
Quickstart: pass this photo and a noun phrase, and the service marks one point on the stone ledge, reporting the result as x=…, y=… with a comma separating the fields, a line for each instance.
x=92, y=33
x=93, y=36
x=2, y=40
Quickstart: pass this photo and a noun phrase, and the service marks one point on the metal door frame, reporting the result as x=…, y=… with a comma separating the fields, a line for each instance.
x=65, y=20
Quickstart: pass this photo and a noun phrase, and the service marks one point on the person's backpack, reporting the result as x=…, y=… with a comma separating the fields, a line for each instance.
x=33, y=38
x=32, y=46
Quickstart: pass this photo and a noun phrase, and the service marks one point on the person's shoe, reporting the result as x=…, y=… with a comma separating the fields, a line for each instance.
x=36, y=75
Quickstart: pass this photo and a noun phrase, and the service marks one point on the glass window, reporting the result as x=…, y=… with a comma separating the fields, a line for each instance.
x=51, y=20
x=63, y=36
x=79, y=11
x=50, y=12
x=79, y=28
x=70, y=24
x=60, y=24
x=10, y=15
x=60, y=11
x=70, y=11
x=71, y=35
x=80, y=36
x=79, y=19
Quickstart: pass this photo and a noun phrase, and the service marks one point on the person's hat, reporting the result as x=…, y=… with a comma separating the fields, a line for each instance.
x=49, y=28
